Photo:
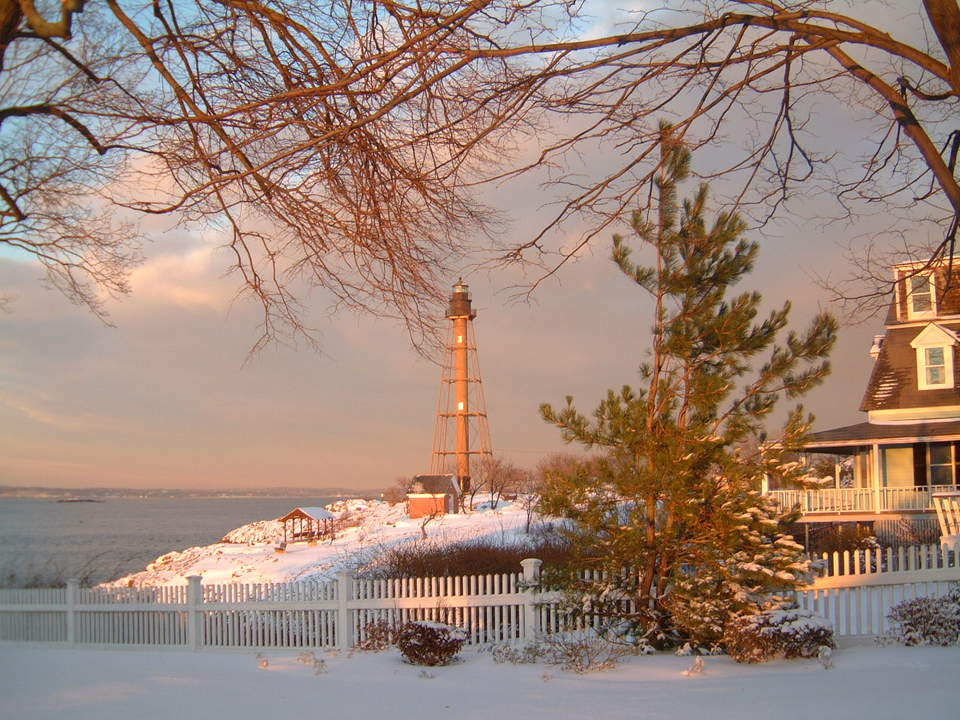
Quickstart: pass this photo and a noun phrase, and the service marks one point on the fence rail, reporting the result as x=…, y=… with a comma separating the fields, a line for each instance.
x=871, y=566
x=855, y=591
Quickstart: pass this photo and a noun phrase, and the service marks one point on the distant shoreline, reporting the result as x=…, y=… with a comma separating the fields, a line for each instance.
x=99, y=494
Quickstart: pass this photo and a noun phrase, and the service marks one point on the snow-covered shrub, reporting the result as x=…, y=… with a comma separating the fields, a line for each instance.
x=523, y=655
x=927, y=621
x=378, y=636
x=422, y=642
x=583, y=651
x=777, y=633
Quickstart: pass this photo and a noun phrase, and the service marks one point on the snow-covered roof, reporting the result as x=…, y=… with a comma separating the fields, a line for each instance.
x=317, y=513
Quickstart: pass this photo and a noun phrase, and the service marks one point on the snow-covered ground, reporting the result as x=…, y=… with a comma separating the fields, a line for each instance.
x=249, y=556
x=865, y=682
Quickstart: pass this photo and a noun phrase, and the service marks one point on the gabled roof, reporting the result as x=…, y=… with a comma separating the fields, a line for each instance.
x=935, y=334
x=435, y=484
x=893, y=380
x=309, y=513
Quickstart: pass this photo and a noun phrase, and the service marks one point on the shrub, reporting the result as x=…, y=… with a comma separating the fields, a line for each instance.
x=378, y=636
x=583, y=651
x=927, y=621
x=429, y=643
x=777, y=633
x=523, y=655
x=427, y=559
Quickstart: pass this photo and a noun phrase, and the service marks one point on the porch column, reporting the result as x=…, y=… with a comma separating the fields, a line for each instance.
x=875, y=468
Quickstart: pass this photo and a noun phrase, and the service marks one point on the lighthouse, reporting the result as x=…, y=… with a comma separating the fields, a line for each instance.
x=461, y=403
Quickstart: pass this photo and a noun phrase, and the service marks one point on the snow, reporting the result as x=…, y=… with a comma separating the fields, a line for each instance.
x=248, y=554
x=878, y=683
x=317, y=513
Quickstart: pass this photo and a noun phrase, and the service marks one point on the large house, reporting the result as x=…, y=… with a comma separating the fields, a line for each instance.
x=909, y=447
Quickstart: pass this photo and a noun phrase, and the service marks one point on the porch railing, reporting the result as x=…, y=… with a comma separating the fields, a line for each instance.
x=858, y=500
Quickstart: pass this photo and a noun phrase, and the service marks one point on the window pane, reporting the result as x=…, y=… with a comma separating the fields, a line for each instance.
x=897, y=466
x=920, y=300
x=935, y=356
x=940, y=454
x=935, y=376
x=941, y=475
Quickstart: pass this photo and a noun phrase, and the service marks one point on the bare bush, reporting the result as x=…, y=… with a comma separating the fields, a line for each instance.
x=397, y=493
x=425, y=559
x=583, y=651
x=378, y=636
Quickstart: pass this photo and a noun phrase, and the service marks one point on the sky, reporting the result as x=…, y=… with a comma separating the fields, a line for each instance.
x=168, y=398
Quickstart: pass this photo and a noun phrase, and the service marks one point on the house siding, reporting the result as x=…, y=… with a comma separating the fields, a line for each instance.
x=948, y=293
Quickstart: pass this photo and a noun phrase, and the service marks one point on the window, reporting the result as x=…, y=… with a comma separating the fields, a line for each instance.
x=896, y=466
x=934, y=347
x=921, y=296
x=934, y=367
x=941, y=463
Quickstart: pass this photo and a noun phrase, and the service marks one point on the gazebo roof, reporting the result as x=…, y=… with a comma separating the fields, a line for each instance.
x=310, y=513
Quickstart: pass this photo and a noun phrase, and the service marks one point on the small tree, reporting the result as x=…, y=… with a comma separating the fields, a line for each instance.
x=397, y=492
x=527, y=491
x=493, y=476
x=672, y=512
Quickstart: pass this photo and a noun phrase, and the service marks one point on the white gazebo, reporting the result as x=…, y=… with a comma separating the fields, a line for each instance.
x=307, y=523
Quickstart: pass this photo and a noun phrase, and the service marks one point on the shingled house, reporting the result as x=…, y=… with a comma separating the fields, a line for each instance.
x=909, y=447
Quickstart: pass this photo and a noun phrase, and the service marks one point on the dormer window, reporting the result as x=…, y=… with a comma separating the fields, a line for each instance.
x=934, y=367
x=921, y=297
x=934, y=347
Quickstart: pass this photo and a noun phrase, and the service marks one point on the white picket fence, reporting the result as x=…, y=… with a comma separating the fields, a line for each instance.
x=856, y=588
x=856, y=593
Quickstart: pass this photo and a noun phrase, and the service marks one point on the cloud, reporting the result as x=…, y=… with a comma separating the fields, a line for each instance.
x=191, y=278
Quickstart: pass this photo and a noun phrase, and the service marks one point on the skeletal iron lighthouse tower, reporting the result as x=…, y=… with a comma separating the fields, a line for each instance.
x=461, y=400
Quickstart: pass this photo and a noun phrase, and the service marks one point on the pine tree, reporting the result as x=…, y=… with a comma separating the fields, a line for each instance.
x=675, y=497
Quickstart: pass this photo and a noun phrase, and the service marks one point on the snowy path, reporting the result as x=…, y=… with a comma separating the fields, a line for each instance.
x=867, y=682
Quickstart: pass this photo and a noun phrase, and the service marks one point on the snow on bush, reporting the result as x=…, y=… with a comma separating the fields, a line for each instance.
x=522, y=655
x=777, y=633
x=927, y=621
x=422, y=642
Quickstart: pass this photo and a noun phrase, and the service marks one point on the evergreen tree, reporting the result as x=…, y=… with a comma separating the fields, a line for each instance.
x=676, y=496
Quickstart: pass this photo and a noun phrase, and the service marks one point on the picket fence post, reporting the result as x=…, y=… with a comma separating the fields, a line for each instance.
x=73, y=589
x=531, y=582
x=194, y=601
x=344, y=635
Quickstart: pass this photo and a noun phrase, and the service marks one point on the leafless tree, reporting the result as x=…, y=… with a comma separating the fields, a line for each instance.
x=527, y=491
x=318, y=135
x=397, y=492
x=494, y=476
x=761, y=72
x=336, y=142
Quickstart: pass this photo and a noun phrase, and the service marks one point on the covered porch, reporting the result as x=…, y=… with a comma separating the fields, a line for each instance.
x=895, y=468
